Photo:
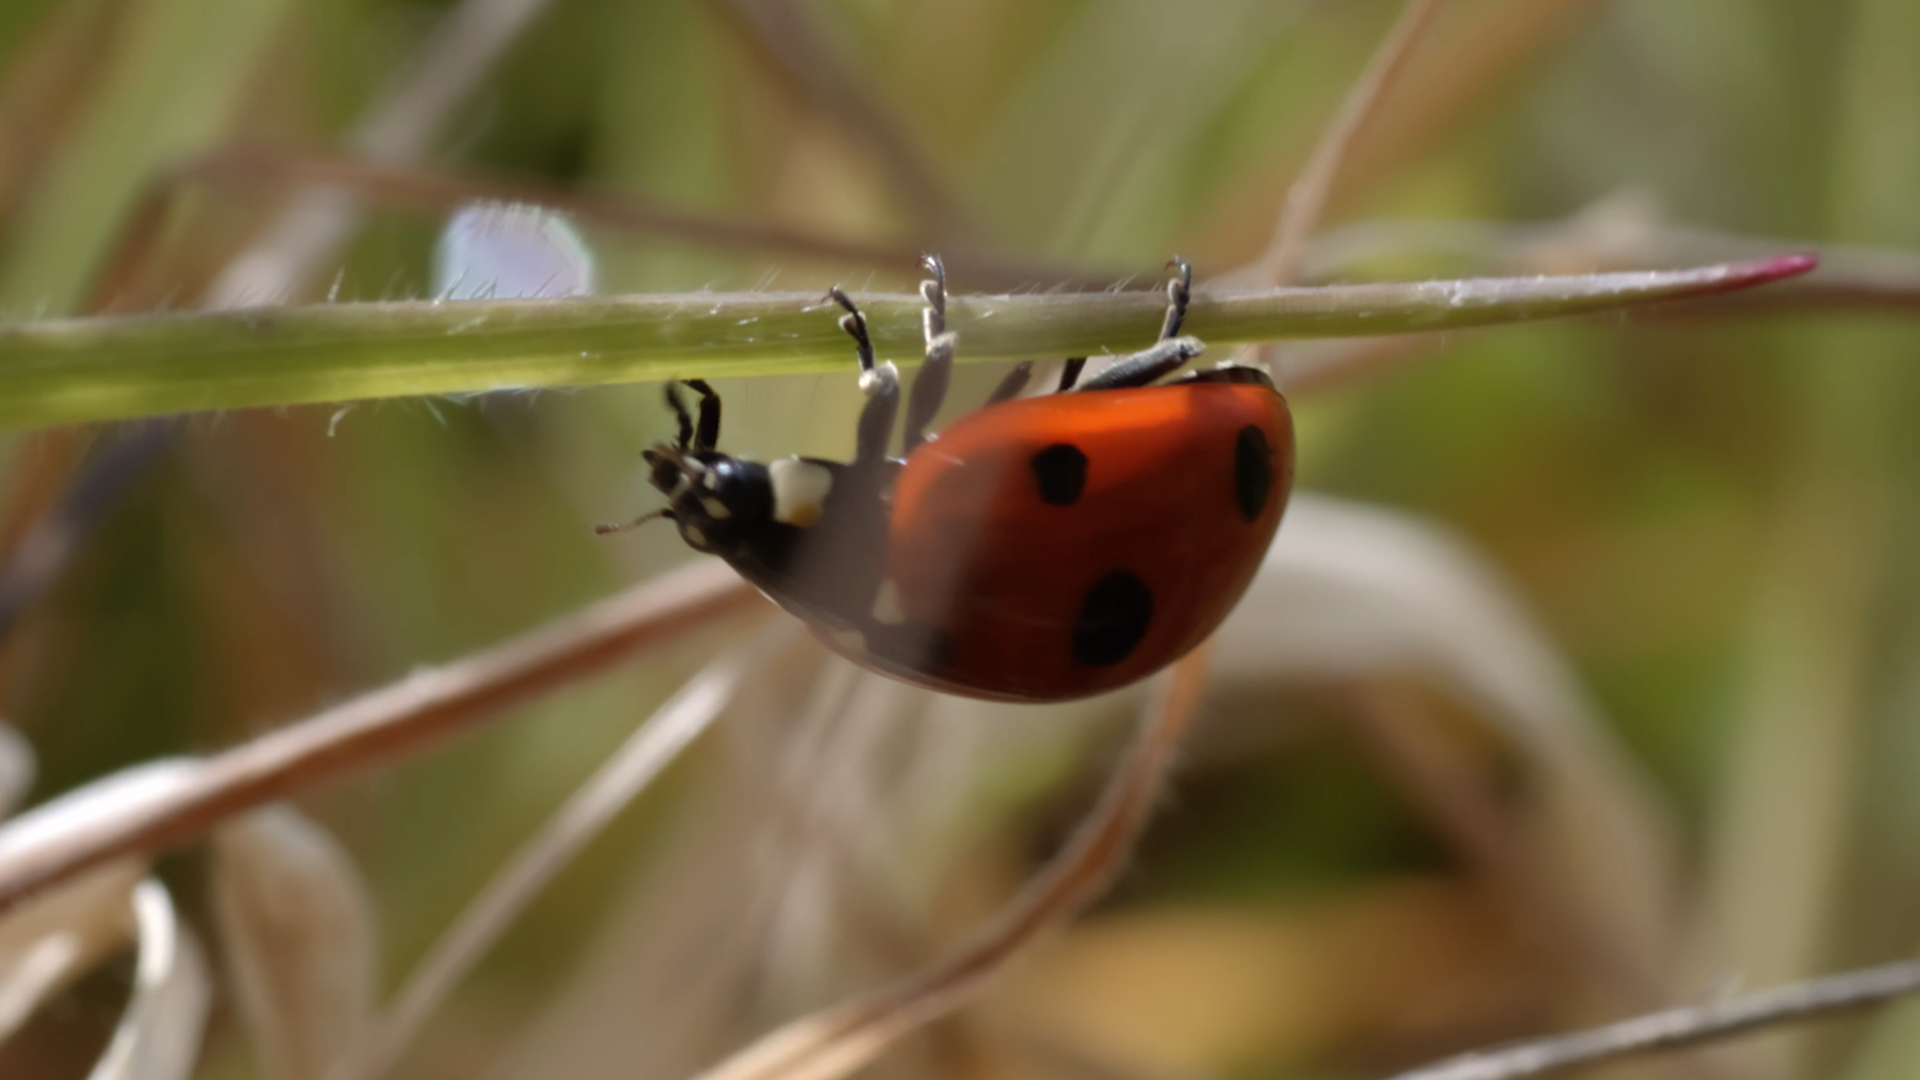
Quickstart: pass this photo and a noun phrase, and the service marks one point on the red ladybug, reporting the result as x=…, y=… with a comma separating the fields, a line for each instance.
x=1040, y=549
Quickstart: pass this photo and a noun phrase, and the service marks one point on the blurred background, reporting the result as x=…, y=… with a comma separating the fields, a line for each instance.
x=1583, y=679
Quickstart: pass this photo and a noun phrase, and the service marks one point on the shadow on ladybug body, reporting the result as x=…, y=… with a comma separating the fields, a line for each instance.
x=1039, y=549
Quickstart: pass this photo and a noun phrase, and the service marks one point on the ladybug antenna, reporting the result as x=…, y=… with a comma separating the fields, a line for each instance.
x=608, y=530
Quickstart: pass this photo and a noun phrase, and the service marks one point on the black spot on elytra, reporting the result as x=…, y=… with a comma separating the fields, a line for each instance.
x=1113, y=619
x=1061, y=470
x=1252, y=472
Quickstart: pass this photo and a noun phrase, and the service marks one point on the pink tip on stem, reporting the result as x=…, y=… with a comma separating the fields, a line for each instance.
x=1773, y=268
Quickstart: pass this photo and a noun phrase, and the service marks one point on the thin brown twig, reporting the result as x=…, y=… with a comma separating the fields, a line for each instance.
x=1686, y=1026
x=834, y=1042
x=379, y=727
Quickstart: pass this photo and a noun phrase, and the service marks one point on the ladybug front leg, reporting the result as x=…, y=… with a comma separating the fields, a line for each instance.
x=707, y=435
x=930, y=385
x=880, y=382
x=1166, y=356
x=683, y=440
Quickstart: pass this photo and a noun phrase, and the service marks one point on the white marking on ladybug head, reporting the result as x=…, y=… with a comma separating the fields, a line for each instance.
x=799, y=490
x=887, y=608
x=692, y=535
x=882, y=376
x=690, y=471
x=715, y=508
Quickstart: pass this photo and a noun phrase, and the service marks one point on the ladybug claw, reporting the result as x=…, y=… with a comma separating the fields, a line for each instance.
x=838, y=296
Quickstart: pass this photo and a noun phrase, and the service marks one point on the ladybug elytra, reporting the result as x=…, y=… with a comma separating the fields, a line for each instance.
x=1040, y=549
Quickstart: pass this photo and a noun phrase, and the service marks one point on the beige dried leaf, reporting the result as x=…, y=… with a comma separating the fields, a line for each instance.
x=53, y=938
x=158, y=1037
x=56, y=937
x=298, y=931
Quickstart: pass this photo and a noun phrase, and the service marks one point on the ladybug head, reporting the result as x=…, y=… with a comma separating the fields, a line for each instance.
x=719, y=502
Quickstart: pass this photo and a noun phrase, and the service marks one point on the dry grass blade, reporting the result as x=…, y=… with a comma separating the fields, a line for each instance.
x=1307, y=198
x=298, y=935
x=1675, y=1029
x=158, y=1037
x=360, y=734
x=647, y=752
x=832, y=1043
x=1492, y=48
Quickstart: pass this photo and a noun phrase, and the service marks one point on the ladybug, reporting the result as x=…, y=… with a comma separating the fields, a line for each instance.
x=1040, y=549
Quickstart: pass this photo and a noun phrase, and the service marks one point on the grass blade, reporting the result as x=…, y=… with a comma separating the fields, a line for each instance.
x=118, y=367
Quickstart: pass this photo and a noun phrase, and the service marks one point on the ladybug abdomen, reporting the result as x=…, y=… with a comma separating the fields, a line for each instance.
x=1055, y=547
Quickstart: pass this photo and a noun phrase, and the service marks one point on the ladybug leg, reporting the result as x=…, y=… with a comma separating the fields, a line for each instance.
x=685, y=438
x=707, y=435
x=1070, y=373
x=1179, y=292
x=880, y=382
x=1145, y=366
x=1015, y=382
x=1168, y=354
x=930, y=385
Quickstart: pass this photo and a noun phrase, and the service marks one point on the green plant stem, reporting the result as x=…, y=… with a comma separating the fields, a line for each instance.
x=118, y=367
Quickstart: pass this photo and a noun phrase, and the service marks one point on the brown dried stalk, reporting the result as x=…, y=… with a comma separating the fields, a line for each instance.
x=428, y=705
x=1691, y=1025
